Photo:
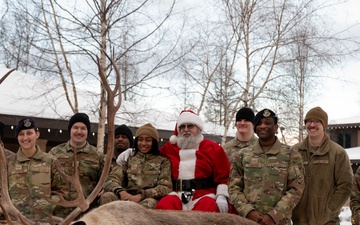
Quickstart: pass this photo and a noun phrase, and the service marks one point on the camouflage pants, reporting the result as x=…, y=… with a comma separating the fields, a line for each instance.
x=149, y=203
x=107, y=197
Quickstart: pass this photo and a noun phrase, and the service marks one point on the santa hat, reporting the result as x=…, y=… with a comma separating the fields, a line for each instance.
x=186, y=116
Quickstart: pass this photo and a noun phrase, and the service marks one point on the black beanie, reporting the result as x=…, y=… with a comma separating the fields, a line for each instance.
x=2, y=126
x=125, y=130
x=79, y=117
x=265, y=113
x=25, y=124
x=246, y=114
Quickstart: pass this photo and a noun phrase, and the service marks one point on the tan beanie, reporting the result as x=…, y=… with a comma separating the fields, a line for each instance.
x=148, y=129
x=318, y=114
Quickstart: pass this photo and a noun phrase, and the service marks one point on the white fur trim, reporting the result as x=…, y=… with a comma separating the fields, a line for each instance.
x=187, y=164
x=222, y=189
x=173, y=139
x=188, y=117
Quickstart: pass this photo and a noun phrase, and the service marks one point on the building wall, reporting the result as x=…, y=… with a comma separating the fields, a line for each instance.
x=346, y=136
x=54, y=132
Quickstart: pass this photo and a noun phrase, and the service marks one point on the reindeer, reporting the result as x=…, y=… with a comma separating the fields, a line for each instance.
x=127, y=212
x=118, y=212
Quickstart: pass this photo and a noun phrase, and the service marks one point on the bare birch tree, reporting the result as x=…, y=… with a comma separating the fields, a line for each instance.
x=73, y=35
x=262, y=34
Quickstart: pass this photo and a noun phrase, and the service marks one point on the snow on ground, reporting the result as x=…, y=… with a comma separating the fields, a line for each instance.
x=345, y=216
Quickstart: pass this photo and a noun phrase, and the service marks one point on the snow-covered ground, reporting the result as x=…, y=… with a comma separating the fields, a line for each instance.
x=345, y=216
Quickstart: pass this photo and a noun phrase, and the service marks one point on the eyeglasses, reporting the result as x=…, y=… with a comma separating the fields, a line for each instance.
x=189, y=126
x=316, y=122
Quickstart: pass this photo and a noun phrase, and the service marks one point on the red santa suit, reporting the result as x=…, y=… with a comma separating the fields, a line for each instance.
x=208, y=160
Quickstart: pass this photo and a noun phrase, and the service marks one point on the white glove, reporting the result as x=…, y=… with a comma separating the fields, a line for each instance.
x=222, y=203
x=124, y=156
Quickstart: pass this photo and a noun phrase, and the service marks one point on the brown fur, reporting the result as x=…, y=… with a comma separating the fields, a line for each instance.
x=126, y=213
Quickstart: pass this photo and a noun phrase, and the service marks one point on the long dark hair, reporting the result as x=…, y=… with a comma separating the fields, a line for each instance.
x=154, y=147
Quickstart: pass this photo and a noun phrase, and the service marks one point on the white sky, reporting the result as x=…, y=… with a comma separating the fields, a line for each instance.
x=341, y=98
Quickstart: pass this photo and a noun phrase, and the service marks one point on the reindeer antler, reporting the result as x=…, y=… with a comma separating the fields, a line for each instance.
x=112, y=108
x=74, y=179
x=5, y=202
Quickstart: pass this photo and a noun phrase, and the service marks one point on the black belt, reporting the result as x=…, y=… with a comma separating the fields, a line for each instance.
x=193, y=184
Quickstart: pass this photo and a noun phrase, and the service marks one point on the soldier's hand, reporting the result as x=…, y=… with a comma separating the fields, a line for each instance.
x=101, y=193
x=135, y=198
x=267, y=220
x=254, y=216
x=124, y=195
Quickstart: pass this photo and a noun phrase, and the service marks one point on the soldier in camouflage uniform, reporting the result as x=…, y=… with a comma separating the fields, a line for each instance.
x=8, y=153
x=266, y=179
x=90, y=161
x=146, y=177
x=123, y=140
x=31, y=174
x=245, y=132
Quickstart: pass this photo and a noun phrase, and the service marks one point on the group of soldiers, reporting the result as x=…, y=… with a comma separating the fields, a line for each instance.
x=256, y=177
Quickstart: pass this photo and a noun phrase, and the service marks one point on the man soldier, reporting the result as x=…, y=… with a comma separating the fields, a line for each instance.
x=328, y=174
x=90, y=162
x=123, y=140
x=266, y=179
x=245, y=132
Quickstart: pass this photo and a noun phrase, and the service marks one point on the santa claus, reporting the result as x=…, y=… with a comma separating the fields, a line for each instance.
x=200, y=168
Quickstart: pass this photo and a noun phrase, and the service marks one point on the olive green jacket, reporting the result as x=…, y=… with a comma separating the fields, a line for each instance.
x=328, y=181
x=90, y=164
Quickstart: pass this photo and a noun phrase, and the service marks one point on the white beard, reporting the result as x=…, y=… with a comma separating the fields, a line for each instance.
x=191, y=142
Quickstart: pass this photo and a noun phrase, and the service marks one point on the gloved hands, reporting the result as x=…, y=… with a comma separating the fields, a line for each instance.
x=222, y=203
x=124, y=156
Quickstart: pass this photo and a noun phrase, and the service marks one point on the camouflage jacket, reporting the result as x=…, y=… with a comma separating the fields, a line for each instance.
x=145, y=174
x=31, y=182
x=234, y=146
x=90, y=164
x=8, y=153
x=113, y=159
x=270, y=182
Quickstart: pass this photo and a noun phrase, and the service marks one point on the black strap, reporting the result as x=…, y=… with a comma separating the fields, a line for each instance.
x=193, y=184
